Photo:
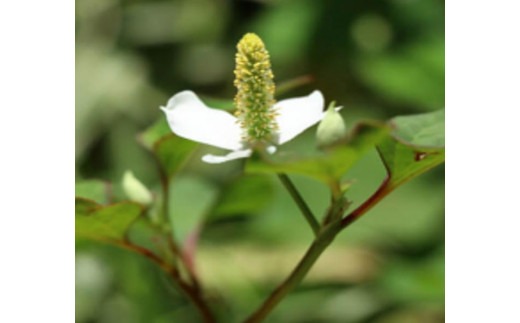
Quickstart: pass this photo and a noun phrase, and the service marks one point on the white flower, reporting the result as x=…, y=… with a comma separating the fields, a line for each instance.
x=190, y=118
x=259, y=122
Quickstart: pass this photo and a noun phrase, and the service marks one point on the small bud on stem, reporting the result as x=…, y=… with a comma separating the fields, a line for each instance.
x=331, y=128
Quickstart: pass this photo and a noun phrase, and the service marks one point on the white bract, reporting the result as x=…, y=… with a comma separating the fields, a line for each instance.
x=190, y=118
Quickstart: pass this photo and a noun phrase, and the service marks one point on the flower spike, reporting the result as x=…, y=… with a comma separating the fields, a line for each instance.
x=255, y=92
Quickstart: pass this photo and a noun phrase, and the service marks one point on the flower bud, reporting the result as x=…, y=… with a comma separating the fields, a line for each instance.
x=135, y=190
x=331, y=128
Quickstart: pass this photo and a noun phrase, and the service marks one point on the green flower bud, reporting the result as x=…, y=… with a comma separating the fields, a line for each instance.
x=135, y=190
x=331, y=128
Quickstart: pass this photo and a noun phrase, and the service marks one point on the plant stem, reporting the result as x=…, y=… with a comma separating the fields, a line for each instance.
x=191, y=292
x=184, y=261
x=165, y=211
x=315, y=250
x=322, y=241
x=383, y=190
x=304, y=208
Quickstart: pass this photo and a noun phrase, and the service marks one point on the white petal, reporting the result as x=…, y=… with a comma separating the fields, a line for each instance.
x=212, y=159
x=191, y=119
x=296, y=115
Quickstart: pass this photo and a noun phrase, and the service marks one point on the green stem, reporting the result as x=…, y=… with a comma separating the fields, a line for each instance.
x=322, y=241
x=171, y=236
x=313, y=253
x=165, y=207
x=304, y=208
x=193, y=291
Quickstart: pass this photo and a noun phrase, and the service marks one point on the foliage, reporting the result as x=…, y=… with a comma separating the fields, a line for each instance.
x=414, y=145
x=110, y=223
x=236, y=228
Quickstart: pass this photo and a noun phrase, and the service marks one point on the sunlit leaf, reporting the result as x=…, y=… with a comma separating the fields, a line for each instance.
x=416, y=146
x=108, y=223
x=326, y=166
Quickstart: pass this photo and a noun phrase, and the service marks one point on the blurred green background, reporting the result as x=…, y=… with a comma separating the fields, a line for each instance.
x=378, y=59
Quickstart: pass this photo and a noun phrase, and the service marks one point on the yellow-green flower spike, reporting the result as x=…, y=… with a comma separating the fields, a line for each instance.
x=255, y=91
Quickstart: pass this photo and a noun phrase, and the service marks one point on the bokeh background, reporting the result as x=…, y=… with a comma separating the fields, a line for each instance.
x=378, y=59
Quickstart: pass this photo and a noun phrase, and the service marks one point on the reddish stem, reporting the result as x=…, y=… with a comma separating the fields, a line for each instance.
x=378, y=195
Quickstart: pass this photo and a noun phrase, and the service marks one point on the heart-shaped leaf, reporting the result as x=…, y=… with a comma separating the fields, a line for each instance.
x=415, y=146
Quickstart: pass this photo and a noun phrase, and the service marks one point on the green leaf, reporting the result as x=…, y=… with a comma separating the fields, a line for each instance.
x=107, y=223
x=95, y=190
x=191, y=199
x=154, y=133
x=246, y=195
x=326, y=166
x=85, y=206
x=171, y=151
x=415, y=146
x=422, y=130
